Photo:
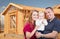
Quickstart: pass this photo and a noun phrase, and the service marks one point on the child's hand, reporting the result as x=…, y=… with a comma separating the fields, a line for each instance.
x=45, y=22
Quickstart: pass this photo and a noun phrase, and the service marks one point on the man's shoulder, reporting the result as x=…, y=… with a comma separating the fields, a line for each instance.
x=57, y=21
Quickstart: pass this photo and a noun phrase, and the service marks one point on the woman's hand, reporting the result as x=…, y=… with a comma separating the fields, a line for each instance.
x=36, y=27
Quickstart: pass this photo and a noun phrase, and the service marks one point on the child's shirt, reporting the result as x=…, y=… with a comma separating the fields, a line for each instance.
x=41, y=23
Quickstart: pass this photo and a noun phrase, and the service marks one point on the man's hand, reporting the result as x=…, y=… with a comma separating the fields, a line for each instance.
x=38, y=34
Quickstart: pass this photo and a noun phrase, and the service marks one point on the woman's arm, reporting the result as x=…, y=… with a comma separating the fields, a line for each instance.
x=30, y=34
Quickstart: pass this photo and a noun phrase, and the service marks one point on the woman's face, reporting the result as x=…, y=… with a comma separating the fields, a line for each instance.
x=34, y=15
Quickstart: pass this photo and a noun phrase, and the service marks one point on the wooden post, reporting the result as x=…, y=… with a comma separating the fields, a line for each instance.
x=20, y=23
x=6, y=23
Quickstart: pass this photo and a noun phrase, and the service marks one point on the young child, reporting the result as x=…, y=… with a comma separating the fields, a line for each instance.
x=41, y=22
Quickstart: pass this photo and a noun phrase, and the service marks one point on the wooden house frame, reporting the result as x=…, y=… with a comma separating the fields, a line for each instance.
x=14, y=15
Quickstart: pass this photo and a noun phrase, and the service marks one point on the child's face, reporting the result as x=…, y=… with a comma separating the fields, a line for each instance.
x=41, y=16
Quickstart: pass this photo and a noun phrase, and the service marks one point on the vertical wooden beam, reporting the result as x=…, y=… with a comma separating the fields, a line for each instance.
x=20, y=23
x=6, y=23
x=16, y=21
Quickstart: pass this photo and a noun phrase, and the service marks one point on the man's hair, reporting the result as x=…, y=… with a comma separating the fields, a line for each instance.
x=49, y=8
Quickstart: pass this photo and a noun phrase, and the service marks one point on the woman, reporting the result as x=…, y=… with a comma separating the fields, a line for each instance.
x=30, y=28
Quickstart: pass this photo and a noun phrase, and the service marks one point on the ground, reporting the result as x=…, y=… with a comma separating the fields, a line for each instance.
x=10, y=36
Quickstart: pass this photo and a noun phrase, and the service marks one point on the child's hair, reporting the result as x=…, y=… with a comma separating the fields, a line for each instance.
x=41, y=13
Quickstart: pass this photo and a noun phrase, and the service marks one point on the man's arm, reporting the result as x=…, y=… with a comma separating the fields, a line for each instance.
x=50, y=35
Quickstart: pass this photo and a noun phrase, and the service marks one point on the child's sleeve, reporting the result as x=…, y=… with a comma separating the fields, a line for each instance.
x=45, y=22
x=37, y=23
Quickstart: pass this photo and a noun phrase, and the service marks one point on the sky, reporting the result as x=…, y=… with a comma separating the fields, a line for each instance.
x=34, y=3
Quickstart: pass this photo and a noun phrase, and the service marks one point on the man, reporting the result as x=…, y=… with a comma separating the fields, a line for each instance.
x=53, y=27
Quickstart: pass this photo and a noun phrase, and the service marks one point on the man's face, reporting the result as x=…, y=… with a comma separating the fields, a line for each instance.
x=49, y=13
